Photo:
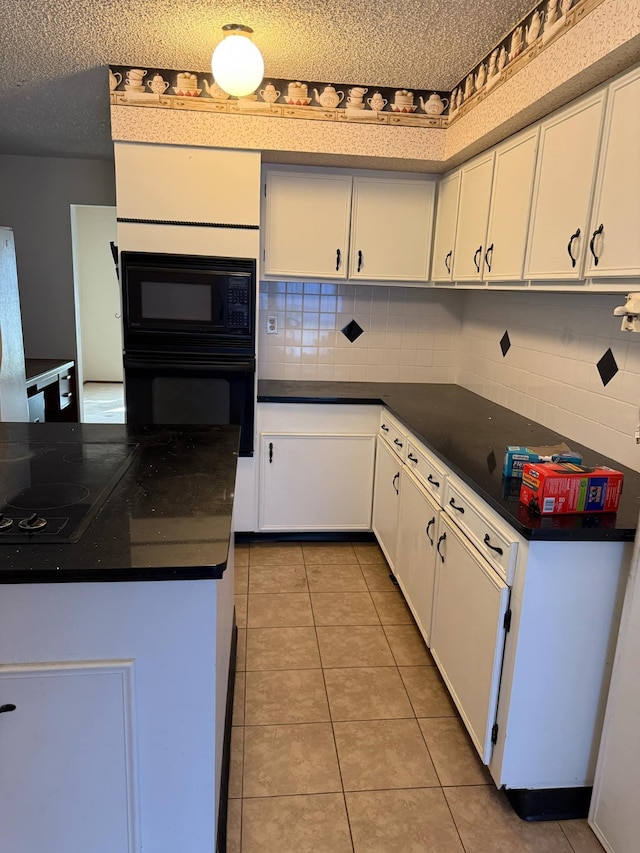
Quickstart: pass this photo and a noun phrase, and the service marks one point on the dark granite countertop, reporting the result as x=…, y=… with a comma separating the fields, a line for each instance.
x=167, y=518
x=469, y=434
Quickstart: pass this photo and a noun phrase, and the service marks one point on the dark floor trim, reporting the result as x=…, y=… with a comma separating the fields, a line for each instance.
x=550, y=803
x=242, y=538
x=221, y=840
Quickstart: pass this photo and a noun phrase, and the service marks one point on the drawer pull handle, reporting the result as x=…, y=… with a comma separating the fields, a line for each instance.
x=452, y=503
x=487, y=542
x=397, y=441
x=433, y=482
x=573, y=237
x=426, y=530
x=440, y=541
x=68, y=394
x=412, y=458
x=384, y=428
x=66, y=378
x=393, y=483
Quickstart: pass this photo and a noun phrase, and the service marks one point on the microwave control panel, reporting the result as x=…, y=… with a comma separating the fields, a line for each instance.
x=238, y=314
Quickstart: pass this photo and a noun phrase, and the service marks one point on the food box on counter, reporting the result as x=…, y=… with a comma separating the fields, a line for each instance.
x=516, y=457
x=563, y=487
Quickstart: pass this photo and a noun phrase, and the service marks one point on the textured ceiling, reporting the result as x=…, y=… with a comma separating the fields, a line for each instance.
x=53, y=82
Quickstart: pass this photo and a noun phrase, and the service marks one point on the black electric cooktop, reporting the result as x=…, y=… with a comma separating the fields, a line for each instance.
x=50, y=491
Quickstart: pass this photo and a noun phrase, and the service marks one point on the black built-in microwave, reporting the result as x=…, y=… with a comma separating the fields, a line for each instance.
x=188, y=301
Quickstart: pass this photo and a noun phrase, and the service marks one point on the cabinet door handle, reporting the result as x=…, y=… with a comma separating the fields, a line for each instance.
x=412, y=458
x=453, y=504
x=433, y=482
x=359, y=260
x=397, y=442
x=476, y=255
x=67, y=394
x=447, y=258
x=487, y=542
x=4, y=709
x=592, y=241
x=338, y=257
x=570, y=246
x=270, y=452
x=66, y=378
x=426, y=530
x=440, y=541
x=486, y=258
x=384, y=428
x=393, y=483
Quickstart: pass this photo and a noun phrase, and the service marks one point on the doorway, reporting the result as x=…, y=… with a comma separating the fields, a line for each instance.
x=97, y=302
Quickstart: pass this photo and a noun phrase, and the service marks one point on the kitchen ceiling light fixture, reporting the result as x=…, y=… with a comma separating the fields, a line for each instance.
x=237, y=64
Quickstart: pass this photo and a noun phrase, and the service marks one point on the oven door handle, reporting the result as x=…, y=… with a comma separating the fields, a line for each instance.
x=190, y=365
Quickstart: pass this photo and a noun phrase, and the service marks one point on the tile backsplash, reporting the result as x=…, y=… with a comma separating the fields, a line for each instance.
x=408, y=333
x=549, y=372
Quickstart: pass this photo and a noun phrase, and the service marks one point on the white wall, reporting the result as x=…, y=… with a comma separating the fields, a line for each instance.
x=35, y=198
x=550, y=372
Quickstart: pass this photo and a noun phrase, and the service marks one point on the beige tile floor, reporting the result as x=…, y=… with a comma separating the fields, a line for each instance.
x=344, y=737
x=103, y=403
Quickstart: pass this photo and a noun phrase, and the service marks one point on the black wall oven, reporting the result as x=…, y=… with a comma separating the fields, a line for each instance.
x=189, y=340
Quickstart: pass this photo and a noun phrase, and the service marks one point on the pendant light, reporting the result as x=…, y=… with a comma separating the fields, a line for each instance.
x=237, y=64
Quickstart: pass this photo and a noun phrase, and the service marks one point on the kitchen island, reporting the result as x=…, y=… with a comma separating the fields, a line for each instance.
x=116, y=636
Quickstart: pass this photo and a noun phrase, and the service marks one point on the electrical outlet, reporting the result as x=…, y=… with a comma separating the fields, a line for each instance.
x=272, y=324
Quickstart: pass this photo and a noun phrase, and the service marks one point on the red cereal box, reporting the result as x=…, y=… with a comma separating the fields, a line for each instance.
x=564, y=487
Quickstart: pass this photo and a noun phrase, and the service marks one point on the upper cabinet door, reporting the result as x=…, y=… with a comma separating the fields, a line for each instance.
x=445, y=229
x=614, y=238
x=307, y=224
x=473, y=212
x=391, y=224
x=562, y=192
x=510, y=207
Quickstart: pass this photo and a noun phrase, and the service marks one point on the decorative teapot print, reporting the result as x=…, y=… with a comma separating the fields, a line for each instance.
x=533, y=30
x=328, y=98
x=377, y=102
x=115, y=78
x=158, y=85
x=216, y=92
x=434, y=105
x=269, y=94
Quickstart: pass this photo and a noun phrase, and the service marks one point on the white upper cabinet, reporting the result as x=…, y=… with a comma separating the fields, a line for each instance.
x=614, y=237
x=515, y=163
x=473, y=212
x=306, y=229
x=445, y=228
x=391, y=226
x=562, y=193
x=310, y=214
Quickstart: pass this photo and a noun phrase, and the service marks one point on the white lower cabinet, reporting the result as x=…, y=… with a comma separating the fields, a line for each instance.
x=468, y=631
x=386, y=500
x=316, y=464
x=66, y=780
x=418, y=532
x=316, y=482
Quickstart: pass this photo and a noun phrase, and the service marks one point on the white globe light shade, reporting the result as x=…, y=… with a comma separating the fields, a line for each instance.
x=237, y=65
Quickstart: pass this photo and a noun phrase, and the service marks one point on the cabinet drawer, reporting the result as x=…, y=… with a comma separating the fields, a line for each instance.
x=494, y=540
x=393, y=434
x=426, y=469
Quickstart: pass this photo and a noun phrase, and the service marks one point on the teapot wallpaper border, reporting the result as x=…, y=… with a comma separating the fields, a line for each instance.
x=285, y=98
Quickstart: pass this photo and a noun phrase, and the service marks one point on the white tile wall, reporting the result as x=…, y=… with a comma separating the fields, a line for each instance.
x=418, y=335
x=408, y=332
x=550, y=373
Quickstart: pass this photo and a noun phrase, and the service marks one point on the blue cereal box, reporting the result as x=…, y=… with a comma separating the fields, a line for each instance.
x=516, y=457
